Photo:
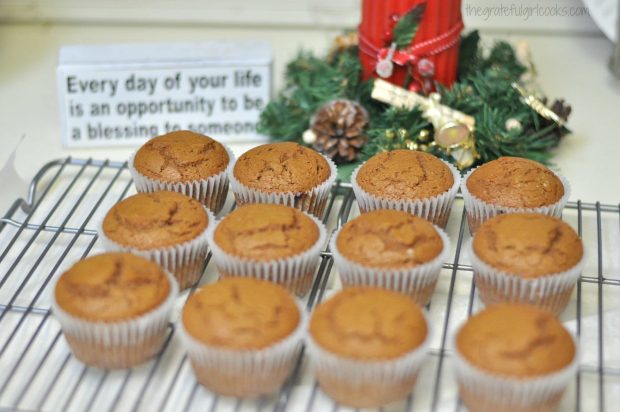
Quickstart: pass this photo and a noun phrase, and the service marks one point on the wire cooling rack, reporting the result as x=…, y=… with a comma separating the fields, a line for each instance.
x=54, y=225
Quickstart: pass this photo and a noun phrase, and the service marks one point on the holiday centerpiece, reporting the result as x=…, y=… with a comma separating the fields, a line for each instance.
x=408, y=79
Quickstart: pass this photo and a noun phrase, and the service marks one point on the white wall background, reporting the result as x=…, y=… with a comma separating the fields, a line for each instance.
x=285, y=13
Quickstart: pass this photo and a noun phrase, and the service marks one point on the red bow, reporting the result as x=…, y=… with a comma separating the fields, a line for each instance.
x=409, y=55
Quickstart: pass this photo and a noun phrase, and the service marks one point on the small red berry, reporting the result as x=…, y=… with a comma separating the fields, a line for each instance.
x=414, y=87
x=387, y=37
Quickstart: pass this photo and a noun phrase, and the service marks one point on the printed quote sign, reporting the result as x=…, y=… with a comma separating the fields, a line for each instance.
x=127, y=106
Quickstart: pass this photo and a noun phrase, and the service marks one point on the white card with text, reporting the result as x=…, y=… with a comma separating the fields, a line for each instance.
x=122, y=95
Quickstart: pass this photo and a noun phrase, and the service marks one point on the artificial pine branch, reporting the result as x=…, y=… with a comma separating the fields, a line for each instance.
x=310, y=82
x=469, y=54
x=407, y=26
x=391, y=130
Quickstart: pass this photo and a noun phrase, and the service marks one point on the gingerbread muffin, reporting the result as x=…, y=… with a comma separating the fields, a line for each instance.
x=512, y=184
x=271, y=242
x=242, y=336
x=114, y=308
x=284, y=173
x=527, y=258
x=166, y=227
x=513, y=357
x=366, y=346
x=391, y=249
x=184, y=162
x=412, y=181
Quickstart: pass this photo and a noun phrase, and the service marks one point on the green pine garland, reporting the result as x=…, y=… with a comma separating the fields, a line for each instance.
x=483, y=90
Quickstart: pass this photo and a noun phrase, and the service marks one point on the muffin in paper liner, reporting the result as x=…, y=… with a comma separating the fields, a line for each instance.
x=211, y=191
x=551, y=292
x=416, y=281
x=185, y=260
x=312, y=201
x=122, y=344
x=435, y=209
x=478, y=211
x=367, y=384
x=244, y=373
x=294, y=273
x=483, y=391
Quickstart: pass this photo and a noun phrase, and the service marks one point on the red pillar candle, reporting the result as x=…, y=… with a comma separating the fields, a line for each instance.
x=433, y=54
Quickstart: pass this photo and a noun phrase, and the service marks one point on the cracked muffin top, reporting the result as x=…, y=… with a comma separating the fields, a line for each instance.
x=513, y=340
x=405, y=174
x=389, y=239
x=515, y=182
x=368, y=324
x=282, y=167
x=266, y=232
x=155, y=220
x=241, y=313
x=528, y=244
x=181, y=156
x=112, y=287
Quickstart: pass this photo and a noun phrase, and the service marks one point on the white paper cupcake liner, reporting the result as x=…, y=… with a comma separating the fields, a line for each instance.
x=434, y=209
x=479, y=211
x=496, y=391
x=245, y=373
x=184, y=260
x=377, y=381
x=414, y=281
x=211, y=191
x=295, y=273
x=312, y=201
x=117, y=344
x=548, y=292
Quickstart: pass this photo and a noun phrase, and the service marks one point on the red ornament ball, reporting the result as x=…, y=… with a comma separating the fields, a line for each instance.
x=426, y=68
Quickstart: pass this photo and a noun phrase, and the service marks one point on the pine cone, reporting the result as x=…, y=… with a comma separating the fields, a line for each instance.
x=345, y=41
x=562, y=109
x=559, y=107
x=339, y=126
x=342, y=43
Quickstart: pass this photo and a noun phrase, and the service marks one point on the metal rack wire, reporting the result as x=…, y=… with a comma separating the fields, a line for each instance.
x=44, y=233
